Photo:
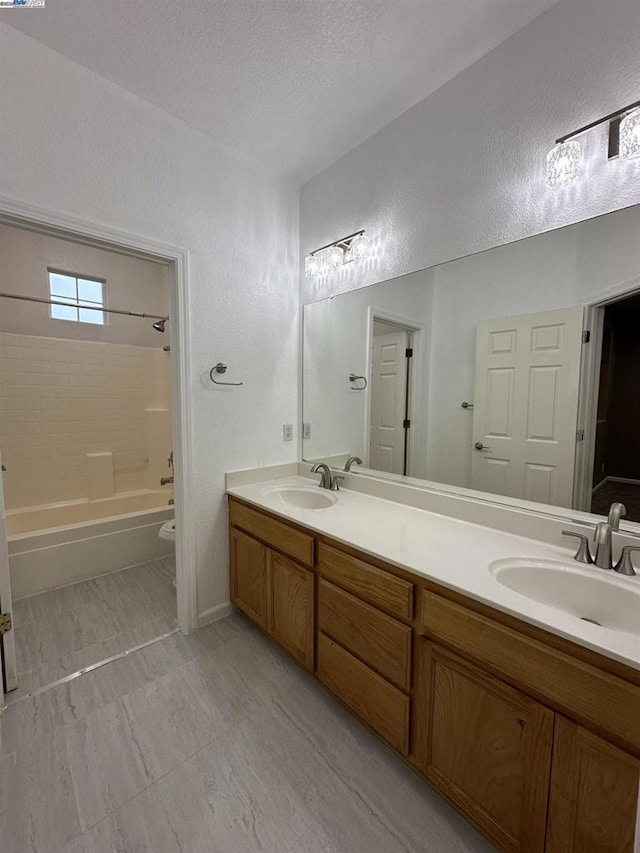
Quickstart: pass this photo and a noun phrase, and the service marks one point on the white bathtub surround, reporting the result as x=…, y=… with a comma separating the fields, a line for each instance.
x=100, y=479
x=54, y=545
x=159, y=447
x=451, y=552
x=66, y=403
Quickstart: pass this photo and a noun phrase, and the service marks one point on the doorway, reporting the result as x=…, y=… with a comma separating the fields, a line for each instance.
x=616, y=458
x=390, y=397
x=56, y=227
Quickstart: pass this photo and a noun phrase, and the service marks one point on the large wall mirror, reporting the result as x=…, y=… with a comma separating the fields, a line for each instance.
x=514, y=372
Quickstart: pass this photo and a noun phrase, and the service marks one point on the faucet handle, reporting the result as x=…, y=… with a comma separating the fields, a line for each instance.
x=624, y=566
x=583, y=554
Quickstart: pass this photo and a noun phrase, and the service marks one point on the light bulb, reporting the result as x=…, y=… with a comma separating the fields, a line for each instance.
x=335, y=256
x=312, y=266
x=359, y=247
x=630, y=136
x=563, y=164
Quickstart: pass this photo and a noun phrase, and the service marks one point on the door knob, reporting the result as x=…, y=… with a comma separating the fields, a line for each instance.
x=480, y=446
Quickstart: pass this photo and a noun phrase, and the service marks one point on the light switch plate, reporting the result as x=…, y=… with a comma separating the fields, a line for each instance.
x=306, y=430
x=287, y=432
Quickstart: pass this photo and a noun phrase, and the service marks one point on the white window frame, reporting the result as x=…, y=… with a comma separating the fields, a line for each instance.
x=76, y=302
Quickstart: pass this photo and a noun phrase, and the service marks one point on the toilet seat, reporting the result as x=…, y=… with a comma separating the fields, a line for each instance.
x=168, y=530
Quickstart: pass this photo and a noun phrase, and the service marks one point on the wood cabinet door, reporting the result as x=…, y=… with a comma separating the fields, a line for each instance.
x=486, y=746
x=290, y=614
x=594, y=794
x=248, y=561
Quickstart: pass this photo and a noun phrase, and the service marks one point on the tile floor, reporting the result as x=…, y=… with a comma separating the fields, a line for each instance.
x=63, y=630
x=211, y=742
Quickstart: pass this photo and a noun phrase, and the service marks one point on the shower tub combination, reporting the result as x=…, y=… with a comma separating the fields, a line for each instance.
x=57, y=544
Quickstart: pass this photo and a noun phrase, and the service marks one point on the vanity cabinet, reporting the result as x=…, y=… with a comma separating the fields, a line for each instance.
x=486, y=746
x=594, y=788
x=248, y=569
x=277, y=593
x=534, y=739
x=290, y=606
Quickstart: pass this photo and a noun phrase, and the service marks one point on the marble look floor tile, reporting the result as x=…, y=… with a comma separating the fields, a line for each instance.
x=37, y=801
x=212, y=742
x=64, y=630
x=108, y=764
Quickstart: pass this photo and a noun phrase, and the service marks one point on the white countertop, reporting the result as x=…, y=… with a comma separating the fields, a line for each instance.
x=447, y=551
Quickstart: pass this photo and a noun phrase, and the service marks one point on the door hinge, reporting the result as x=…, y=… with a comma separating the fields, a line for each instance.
x=5, y=623
x=406, y=424
x=586, y=336
x=409, y=352
x=579, y=435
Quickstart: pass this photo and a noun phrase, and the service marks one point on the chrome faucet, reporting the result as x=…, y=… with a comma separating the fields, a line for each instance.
x=616, y=511
x=603, y=558
x=351, y=461
x=603, y=541
x=328, y=479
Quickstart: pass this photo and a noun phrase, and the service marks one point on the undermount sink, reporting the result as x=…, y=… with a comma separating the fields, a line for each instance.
x=301, y=497
x=590, y=594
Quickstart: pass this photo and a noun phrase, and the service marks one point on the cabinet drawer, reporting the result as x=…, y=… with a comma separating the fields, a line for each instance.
x=374, y=637
x=371, y=697
x=574, y=687
x=280, y=536
x=368, y=582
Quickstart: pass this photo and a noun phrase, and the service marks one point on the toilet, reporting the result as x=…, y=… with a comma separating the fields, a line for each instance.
x=168, y=530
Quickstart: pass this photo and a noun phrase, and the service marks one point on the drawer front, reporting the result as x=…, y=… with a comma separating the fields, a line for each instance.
x=371, y=697
x=280, y=536
x=374, y=637
x=367, y=582
x=575, y=688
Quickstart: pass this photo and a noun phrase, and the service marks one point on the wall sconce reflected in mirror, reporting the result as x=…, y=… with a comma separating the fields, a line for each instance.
x=353, y=247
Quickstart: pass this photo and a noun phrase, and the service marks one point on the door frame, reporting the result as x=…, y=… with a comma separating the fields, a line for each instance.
x=14, y=212
x=418, y=392
x=595, y=305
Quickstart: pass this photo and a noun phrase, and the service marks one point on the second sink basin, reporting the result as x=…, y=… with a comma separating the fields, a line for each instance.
x=301, y=497
x=590, y=594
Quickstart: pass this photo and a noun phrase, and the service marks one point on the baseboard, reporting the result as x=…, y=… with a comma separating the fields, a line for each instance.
x=213, y=614
x=627, y=480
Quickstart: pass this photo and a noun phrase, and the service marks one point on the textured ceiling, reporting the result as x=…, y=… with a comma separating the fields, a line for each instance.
x=290, y=84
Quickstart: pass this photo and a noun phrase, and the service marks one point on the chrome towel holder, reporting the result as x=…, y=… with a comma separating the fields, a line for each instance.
x=354, y=378
x=221, y=368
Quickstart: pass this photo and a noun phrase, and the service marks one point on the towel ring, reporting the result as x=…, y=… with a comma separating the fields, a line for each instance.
x=354, y=378
x=221, y=368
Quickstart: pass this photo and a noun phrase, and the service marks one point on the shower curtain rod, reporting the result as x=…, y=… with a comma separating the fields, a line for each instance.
x=84, y=307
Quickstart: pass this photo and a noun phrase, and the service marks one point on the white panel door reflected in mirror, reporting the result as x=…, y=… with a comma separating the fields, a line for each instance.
x=551, y=418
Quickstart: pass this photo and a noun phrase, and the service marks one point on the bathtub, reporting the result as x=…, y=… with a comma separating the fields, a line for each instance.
x=57, y=544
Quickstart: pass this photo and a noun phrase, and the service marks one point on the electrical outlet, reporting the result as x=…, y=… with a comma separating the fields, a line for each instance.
x=306, y=430
x=287, y=432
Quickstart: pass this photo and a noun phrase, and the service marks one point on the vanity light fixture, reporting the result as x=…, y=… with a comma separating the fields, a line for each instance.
x=353, y=247
x=335, y=256
x=563, y=161
x=630, y=136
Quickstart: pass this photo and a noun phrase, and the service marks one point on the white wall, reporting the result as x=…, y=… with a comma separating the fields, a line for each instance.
x=463, y=170
x=73, y=142
x=132, y=284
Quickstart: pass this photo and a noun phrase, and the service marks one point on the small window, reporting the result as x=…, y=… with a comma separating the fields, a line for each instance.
x=82, y=297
